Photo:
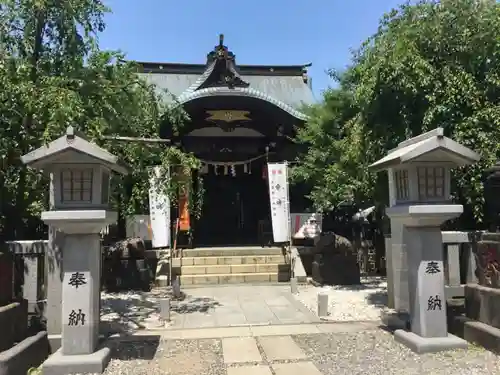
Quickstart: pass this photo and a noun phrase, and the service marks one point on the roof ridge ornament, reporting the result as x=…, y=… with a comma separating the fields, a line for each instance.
x=222, y=63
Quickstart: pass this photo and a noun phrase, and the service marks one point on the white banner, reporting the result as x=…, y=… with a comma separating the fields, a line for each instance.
x=280, y=203
x=159, y=212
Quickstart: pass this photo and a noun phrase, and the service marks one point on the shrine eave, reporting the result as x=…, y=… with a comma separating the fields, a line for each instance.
x=241, y=91
x=183, y=68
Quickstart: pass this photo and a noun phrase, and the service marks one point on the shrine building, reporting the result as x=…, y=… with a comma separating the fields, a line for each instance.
x=241, y=117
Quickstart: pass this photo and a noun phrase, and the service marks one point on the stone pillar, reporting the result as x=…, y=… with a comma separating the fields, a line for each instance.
x=53, y=279
x=31, y=277
x=427, y=298
x=79, y=198
x=419, y=174
x=80, y=294
x=53, y=287
x=426, y=281
x=399, y=267
x=389, y=270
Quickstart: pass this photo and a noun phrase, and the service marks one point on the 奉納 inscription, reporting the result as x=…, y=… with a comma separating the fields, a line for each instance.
x=434, y=303
x=77, y=279
x=432, y=268
x=76, y=318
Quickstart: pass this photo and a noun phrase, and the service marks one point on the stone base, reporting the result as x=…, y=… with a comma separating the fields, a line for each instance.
x=336, y=269
x=59, y=364
x=479, y=333
x=422, y=345
x=395, y=320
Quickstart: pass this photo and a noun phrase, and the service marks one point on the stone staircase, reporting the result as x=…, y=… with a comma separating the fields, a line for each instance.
x=233, y=265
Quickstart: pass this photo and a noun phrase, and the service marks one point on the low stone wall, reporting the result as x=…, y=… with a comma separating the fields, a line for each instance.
x=13, y=324
x=481, y=323
x=483, y=304
x=31, y=352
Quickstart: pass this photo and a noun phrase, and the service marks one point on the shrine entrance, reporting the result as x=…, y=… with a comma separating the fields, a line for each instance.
x=233, y=206
x=240, y=117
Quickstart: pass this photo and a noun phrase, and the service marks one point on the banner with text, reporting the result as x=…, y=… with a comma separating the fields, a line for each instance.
x=159, y=211
x=279, y=198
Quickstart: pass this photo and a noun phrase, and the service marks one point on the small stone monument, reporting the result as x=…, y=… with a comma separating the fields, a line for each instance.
x=81, y=172
x=420, y=169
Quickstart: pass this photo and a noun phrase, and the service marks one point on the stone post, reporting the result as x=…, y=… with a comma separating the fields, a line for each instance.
x=53, y=284
x=80, y=173
x=420, y=169
x=80, y=290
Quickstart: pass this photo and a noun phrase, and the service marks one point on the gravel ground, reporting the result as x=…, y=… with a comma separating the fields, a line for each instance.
x=179, y=357
x=348, y=303
x=376, y=352
x=369, y=352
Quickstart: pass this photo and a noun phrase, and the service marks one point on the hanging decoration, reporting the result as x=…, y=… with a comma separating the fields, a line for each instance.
x=229, y=168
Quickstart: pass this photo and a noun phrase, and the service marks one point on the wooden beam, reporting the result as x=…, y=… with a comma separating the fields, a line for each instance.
x=134, y=139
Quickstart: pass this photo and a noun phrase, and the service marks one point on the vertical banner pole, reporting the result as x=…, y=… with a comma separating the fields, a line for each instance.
x=292, y=261
x=279, y=199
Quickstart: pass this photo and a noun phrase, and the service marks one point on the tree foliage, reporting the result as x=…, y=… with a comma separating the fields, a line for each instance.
x=430, y=64
x=52, y=75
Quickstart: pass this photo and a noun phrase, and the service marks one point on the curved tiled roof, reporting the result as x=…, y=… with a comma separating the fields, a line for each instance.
x=195, y=86
x=240, y=91
x=290, y=90
x=286, y=87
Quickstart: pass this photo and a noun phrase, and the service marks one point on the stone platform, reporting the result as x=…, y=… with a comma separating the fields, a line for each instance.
x=232, y=265
x=226, y=306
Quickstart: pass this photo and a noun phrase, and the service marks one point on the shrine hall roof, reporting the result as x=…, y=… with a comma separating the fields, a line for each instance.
x=286, y=86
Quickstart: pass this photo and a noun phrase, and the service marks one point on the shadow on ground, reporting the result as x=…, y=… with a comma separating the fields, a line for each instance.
x=366, y=283
x=128, y=312
x=144, y=349
x=378, y=298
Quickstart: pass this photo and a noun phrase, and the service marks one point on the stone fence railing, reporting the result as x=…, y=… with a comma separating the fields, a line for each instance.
x=459, y=264
x=29, y=271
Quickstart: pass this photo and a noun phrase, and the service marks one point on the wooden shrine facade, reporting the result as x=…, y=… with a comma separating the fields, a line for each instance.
x=240, y=117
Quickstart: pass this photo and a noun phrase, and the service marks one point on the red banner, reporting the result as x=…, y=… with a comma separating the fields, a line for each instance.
x=184, y=222
x=184, y=215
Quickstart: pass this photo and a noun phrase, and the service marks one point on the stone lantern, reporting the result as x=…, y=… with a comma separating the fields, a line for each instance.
x=419, y=182
x=491, y=195
x=80, y=176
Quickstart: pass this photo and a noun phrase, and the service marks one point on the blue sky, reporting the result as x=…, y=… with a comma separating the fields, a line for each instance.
x=281, y=32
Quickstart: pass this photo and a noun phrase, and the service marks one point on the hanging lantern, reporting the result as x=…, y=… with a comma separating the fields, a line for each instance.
x=264, y=172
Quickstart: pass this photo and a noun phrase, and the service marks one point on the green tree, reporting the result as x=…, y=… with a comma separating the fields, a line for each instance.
x=430, y=64
x=54, y=75
x=333, y=158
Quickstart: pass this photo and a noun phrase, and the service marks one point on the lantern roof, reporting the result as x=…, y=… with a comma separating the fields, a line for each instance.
x=72, y=148
x=432, y=147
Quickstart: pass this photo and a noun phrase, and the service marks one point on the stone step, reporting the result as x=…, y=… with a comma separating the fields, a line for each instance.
x=231, y=251
x=222, y=260
x=234, y=278
x=234, y=269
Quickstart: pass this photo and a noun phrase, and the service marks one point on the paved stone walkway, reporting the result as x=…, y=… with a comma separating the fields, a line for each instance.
x=349, y=348
x=226, y=306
